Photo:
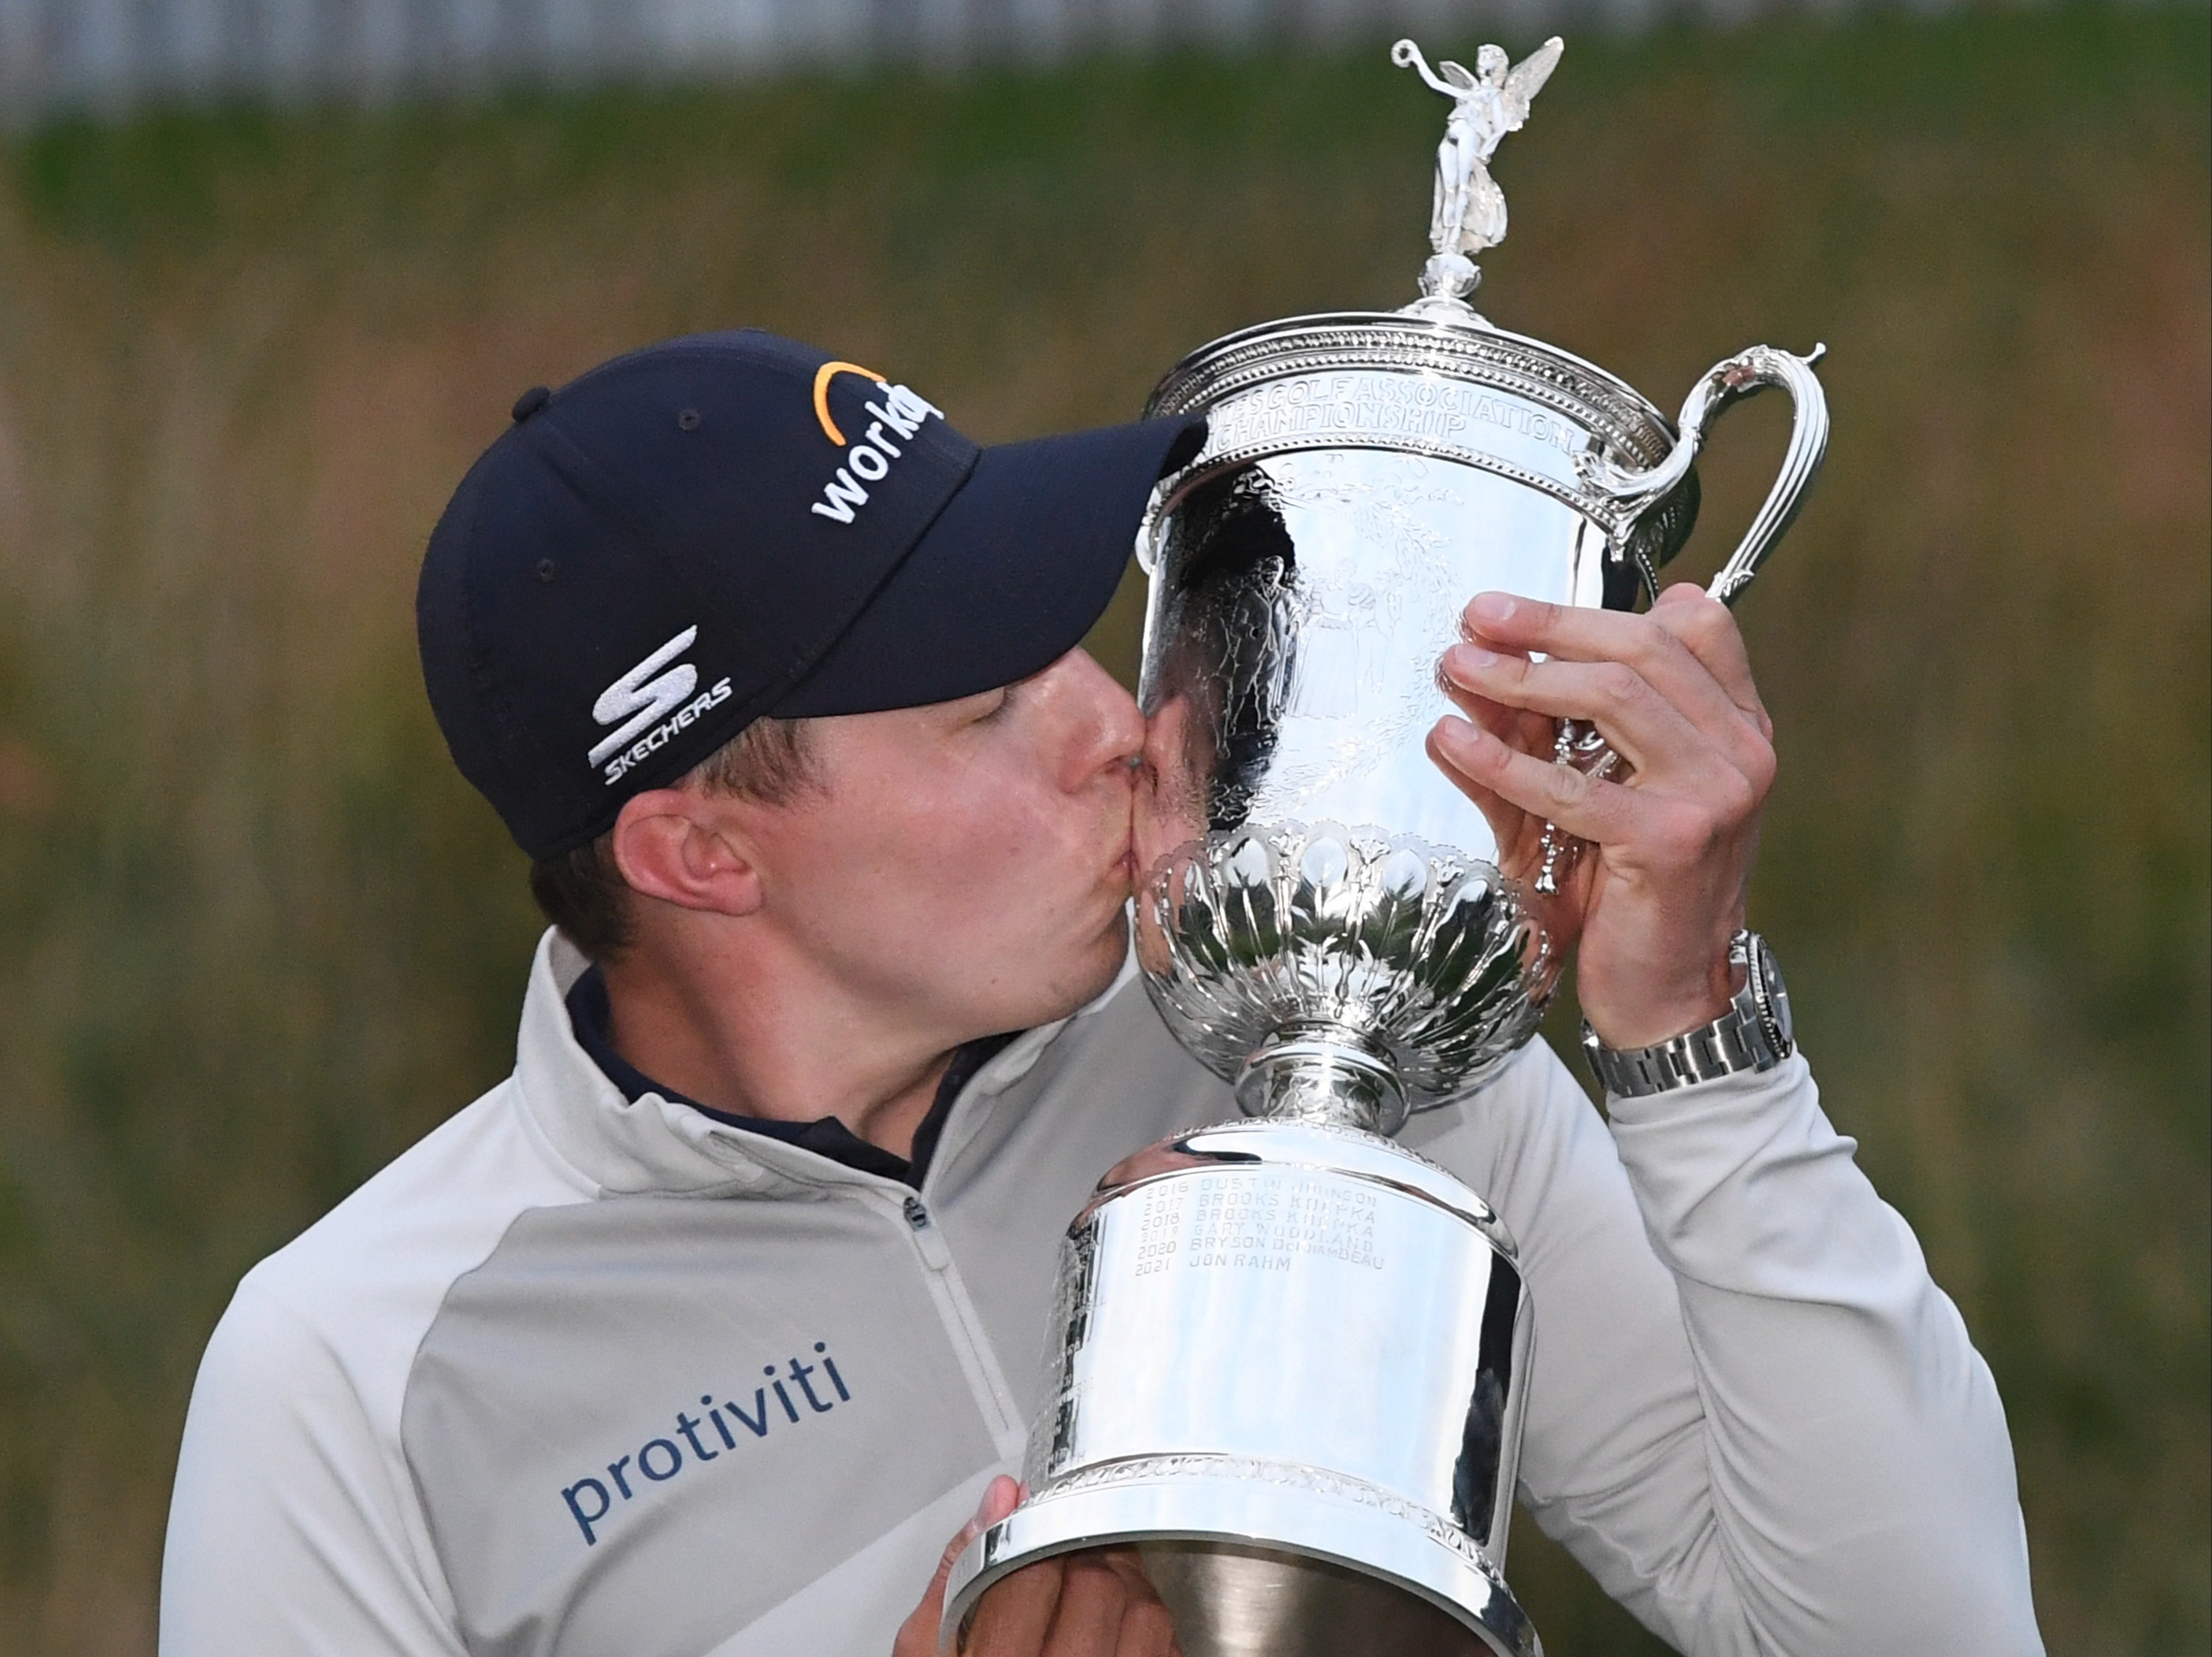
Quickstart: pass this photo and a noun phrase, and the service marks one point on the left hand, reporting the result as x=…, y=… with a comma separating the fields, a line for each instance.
x=1092, y=1604
x=1674, y=833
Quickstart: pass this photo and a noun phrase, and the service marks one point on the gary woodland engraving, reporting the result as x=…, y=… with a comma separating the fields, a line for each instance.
x=1381, y=405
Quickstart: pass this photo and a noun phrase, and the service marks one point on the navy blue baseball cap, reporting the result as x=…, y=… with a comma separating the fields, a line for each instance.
x=731, y=525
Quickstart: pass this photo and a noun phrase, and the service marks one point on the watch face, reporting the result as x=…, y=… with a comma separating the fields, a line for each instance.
x=1773, y=997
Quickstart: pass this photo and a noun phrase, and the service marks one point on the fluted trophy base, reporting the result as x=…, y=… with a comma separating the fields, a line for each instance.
x=1290, y=1370
x=1344, y=973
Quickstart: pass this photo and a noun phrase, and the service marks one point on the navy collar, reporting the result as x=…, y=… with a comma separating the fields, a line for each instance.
x=588, y=1015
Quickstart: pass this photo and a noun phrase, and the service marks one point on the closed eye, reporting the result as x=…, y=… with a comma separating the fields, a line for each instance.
x=989, y=705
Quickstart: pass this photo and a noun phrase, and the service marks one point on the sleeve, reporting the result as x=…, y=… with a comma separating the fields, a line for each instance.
x=288, y=1529
x=1753, y=1416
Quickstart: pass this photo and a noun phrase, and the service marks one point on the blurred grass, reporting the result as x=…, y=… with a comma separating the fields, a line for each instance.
x=256, y=937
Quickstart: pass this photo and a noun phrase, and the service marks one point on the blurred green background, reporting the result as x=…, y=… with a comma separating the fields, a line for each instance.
x=256, y=936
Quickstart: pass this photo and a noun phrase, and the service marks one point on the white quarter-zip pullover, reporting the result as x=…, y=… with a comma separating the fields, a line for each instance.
x=578, y=1375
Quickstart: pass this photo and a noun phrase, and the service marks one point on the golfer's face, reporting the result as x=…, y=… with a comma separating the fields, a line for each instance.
x=970, y=859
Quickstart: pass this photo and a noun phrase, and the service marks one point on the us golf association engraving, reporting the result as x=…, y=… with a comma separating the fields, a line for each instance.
x=1260, y=1221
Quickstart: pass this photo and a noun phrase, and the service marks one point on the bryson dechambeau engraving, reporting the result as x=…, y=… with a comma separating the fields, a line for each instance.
x=1468, y=212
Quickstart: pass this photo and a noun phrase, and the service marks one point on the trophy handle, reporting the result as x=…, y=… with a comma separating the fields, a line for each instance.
x=1725, y=382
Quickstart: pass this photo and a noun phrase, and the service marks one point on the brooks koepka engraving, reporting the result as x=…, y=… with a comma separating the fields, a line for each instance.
x=1288, y=1356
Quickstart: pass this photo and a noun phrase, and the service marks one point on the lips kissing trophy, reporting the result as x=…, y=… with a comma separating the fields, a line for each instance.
x=1289, y=1357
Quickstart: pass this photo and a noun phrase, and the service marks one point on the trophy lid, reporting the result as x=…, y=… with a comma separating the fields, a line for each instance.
x=1420, y=382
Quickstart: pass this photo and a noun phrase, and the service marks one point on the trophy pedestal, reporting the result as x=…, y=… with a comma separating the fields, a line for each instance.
x=1291, y=1371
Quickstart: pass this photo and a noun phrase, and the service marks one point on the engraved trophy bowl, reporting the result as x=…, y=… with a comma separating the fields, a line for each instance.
x=1288, y=1358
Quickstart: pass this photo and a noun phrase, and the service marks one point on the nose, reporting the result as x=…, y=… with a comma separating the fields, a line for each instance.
x=1105, y=733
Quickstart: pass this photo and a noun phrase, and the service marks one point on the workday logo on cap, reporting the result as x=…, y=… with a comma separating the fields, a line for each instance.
x=899, y=414
x=645, y=695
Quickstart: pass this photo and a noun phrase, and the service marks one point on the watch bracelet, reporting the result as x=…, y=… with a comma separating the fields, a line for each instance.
x=1721, y=1048
x=1738, y=1040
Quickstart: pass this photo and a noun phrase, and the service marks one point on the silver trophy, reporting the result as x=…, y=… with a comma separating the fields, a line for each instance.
x=1289, y=1356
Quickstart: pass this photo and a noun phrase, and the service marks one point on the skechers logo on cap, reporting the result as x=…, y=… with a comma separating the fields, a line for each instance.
x=899, y=414
x=645, y=695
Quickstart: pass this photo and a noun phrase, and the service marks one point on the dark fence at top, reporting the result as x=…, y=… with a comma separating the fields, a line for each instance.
x=112, y=55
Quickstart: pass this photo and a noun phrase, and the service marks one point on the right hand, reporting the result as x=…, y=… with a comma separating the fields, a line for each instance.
x=1096, y=1604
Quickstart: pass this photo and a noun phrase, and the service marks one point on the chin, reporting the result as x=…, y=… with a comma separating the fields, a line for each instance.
x=1067, y=962
x=1091, y=975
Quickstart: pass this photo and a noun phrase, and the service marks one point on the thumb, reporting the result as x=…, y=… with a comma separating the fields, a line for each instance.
x=1000, y=1497
x=917, y=1636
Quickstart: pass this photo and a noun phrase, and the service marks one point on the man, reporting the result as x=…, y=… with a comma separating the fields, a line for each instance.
x=703, y=1332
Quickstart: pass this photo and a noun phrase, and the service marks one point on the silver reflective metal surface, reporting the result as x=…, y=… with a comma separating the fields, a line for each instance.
x=1289, y=1357
x=1289, y=1364
x=1309, y=866
x=1726, y=382
x=1364, y=476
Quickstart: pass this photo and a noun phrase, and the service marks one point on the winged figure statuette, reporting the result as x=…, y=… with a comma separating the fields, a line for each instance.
x=1468, y=213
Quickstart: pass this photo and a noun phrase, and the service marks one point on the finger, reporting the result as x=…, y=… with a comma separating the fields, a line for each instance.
x=1147, y=1628
x=918, y=1634
x=1507, y=820
x=1515, y=626
x=1129, y=1566
x=1148, y=1631
x=1017, y=1613
x=1647, y=729
x=1000, y=1497
x=1495, y=717
x=1708, y=629
x=1532, y=733
x=1657, y=649
x=1669, y=830
x=1088, y=1621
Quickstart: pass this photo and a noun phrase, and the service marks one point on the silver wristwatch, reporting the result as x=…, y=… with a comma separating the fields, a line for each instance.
x=1754, y=1034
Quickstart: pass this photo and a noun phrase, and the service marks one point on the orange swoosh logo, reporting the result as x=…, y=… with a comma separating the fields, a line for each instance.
x=823, y=376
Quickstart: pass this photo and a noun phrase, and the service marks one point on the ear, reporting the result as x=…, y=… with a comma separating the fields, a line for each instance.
x=685, y=848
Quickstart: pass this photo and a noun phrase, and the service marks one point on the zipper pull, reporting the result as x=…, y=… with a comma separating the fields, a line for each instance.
x=927, y=1237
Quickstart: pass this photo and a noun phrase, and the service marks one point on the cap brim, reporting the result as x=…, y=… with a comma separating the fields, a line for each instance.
x=1020, y=563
